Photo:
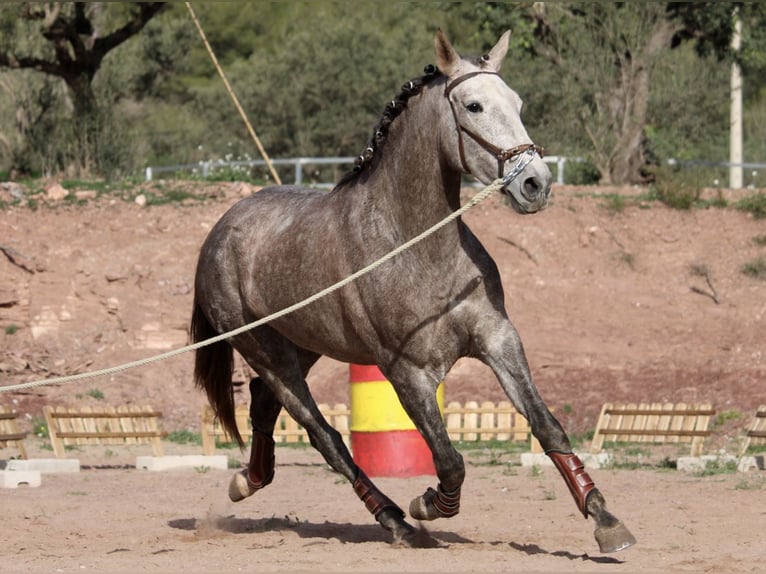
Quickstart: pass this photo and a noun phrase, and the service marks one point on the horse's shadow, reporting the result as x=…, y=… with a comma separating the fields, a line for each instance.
x=355, y=534
x=532, y=549
x=343, y=532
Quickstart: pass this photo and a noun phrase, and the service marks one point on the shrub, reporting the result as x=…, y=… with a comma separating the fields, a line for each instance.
x=755, y=204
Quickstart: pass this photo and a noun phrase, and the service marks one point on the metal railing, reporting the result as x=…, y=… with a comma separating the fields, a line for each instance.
x=206, y=168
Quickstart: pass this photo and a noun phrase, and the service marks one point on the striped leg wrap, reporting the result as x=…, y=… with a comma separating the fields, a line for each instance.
x=447, y=503
x=373, y=499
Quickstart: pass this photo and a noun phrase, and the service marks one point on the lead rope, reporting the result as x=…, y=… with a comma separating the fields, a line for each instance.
x=496, y=185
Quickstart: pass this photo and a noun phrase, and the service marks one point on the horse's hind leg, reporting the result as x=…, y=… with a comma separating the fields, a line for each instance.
x=505, y=356
x=282, y=375
x=264, y=412
x=294, y=395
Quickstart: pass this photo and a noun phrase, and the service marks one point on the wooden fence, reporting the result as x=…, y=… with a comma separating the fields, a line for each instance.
x=469, y=422
x=10, y=435
x=756, y=434
x=656, y=422
x=106, y=425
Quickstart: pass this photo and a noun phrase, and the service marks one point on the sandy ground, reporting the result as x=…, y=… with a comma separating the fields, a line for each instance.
x=611, y=302
x=110, y=517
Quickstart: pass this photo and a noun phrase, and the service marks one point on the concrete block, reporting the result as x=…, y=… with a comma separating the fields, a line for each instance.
x=589, y=460
x=220, y=462
x=747, y=463
x=700, y=463
x=45, y=465
x=14, y=478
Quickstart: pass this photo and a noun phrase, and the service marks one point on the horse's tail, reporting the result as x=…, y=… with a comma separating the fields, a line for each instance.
x=213, y=369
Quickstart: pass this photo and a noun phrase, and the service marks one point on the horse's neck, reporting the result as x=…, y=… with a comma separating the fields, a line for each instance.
x=410, y=181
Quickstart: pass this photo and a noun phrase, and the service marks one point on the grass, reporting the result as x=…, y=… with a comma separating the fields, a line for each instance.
x=185, y=437
x=170, y=196
x=11, y=329
x=755, y=268
x=716, y=467
x=754, y=204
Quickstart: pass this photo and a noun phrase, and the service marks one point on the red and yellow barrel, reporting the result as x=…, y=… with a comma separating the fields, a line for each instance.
x=384, y=440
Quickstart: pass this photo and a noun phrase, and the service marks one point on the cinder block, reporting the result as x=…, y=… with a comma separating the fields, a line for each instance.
x=747, y=463
x=589, y=460
x=700, y=463
x=14, y=478
x=45, y=465
x=219, y=462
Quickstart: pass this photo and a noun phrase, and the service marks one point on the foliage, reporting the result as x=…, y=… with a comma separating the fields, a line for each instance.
x=754, y=204
x=184, y=437
x=314, y=76
x=673, y=187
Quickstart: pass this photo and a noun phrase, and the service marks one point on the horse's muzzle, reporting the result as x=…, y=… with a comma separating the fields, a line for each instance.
x=529, y=193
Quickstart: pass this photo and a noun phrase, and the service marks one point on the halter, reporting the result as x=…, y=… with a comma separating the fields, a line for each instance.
x=502, y=155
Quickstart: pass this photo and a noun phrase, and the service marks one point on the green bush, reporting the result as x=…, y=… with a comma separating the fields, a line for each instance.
x=754, y=204
x=675, y=187
x=581, y=173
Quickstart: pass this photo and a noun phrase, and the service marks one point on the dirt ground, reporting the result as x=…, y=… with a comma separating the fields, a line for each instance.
x=612, y=303
x=604, y=300
x=114, y=518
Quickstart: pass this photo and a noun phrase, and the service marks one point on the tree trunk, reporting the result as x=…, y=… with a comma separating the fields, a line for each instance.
x=85, y=124
x=629, y=158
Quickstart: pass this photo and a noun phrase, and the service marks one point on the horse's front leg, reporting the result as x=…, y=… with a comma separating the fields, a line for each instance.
x=504, y=353
x=418, y=397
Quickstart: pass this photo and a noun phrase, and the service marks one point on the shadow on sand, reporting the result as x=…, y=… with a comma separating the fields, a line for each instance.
x=343, y=532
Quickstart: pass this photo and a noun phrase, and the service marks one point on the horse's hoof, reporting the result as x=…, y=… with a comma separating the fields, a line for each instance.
x=614, y=538
x=422, y=507
x=240, y=487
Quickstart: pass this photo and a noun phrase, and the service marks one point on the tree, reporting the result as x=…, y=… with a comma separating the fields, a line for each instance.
x=76, y=37
x=608, y=52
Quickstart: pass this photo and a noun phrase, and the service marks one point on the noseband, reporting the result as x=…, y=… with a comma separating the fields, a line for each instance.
x=502, y=155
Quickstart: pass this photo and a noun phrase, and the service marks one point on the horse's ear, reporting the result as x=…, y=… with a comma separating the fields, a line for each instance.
x=497, y=53
x=446, y=56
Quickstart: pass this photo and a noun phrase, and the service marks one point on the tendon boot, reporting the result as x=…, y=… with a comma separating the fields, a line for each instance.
x=579, y=482
x=259, y=472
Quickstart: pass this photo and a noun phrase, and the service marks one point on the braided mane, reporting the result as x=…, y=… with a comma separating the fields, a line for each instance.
x=391, y=112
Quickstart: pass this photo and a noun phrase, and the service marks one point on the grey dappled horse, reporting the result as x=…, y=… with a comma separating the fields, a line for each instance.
x=413, y=317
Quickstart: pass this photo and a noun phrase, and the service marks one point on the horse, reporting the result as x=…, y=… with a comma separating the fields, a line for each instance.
x=413, y=316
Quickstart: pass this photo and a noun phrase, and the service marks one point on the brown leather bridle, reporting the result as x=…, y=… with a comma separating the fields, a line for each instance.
x=501, y=155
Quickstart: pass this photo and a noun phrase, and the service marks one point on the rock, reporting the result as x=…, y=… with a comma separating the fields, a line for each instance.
x=12, y=189
x=55, y=191
x=140, y=200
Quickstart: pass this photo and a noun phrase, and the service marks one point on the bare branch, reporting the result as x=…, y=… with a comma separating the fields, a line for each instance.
x=146, y=12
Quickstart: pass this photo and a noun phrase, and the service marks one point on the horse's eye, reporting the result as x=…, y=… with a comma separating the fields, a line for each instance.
x=474, y=107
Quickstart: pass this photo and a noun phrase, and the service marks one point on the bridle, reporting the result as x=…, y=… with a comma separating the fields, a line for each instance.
x=502, y=155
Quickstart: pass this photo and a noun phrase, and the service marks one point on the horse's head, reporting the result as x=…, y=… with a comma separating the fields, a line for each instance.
x=489, y=138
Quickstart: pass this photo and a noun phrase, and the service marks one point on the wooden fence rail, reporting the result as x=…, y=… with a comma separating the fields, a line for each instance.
x=756, y=434
x=657, y=423
x=107, y=425
x=10, y=435
x=471, y=422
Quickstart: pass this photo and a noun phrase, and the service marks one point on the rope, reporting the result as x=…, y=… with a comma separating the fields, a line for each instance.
x=250, y=129
x=496, y=185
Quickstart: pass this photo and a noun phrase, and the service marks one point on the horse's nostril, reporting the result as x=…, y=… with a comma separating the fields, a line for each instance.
x=532, y=187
